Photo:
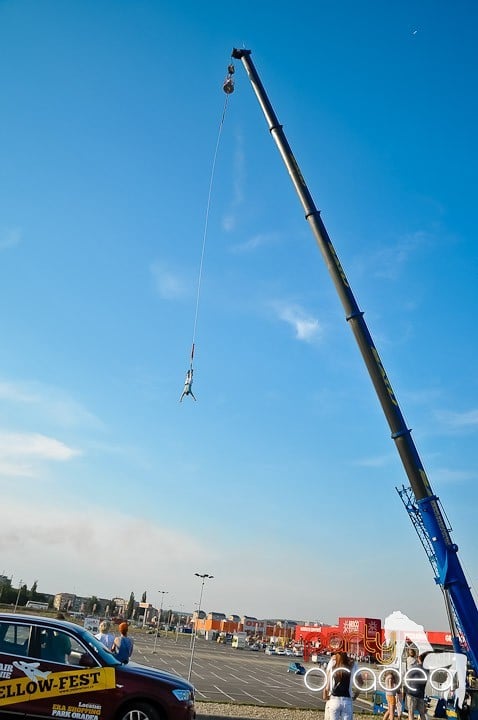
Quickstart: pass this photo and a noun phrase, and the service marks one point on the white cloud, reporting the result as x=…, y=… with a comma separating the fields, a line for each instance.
x=169, y=284
x=49, y=402
x=456, y=420
x=389, y=261
x=10, y=238
x=305, y=326
x=15, y=468
x=447, y=476
x=34, y=445
x=229, y=220
x=22, y=454
x=254, y=242
x=96, y=550
x=378, y=461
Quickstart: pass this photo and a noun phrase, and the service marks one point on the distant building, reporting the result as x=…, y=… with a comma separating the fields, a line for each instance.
x=121, y=606
x=147, y=614
x=65, y=602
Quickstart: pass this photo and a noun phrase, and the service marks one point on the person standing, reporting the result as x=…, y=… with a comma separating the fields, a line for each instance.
x=105, y=636
x=340, y=690
x=123, y=645
x=411, y=657
x=410, y=660
x=57, y=646
x=391, y=690
x=415, y=683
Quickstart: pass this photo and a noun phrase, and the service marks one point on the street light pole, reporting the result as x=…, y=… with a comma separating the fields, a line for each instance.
x=204, y=577
x=18, y=596
x=178, y=622
x=163, y=593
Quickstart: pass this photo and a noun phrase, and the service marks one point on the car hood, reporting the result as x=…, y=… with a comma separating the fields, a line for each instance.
x=133, y=668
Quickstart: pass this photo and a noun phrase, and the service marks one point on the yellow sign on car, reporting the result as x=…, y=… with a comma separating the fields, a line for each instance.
x=52, y=684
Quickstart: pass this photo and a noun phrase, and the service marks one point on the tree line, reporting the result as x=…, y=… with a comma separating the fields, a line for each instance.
x=19, y=597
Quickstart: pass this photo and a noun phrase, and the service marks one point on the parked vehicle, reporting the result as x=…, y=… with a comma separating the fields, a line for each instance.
x=58, y=669
x=239, y=640
x=296, y=668
x=320, y=658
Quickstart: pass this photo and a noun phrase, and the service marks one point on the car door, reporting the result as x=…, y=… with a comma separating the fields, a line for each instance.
x=51, y=674
x=14, y=649
x=70, y=680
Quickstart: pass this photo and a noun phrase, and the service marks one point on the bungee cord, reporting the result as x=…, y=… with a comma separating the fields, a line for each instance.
x=228, y=88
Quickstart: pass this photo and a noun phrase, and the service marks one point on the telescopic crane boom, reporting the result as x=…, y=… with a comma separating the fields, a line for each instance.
x=422, y=504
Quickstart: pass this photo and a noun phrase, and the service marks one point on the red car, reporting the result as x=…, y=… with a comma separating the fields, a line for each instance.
x=56, y=669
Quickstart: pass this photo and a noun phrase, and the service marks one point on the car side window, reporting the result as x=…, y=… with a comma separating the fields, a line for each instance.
x=14, y=638
x=57, y=646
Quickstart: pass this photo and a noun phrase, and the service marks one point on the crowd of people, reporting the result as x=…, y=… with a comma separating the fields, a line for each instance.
x=341, y=690
x=56, y=646
x=121, y=645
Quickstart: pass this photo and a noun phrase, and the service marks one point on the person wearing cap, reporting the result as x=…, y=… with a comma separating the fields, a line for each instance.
x=123, y=645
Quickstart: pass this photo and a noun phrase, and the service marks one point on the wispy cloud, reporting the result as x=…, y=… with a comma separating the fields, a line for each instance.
x=389, y=261
x=305, y=326
x=456, y=420
x=10, y=238
x=56, y=545
x=34, y=445
x=256, y=241
x=229, y=220
x=422, y=396
x=169, y=283
x=447, y=476
x=50, y=403
x=21, y=454
x=372, y=462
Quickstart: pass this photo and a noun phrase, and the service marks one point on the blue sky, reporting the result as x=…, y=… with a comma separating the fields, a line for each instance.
x=280, y=480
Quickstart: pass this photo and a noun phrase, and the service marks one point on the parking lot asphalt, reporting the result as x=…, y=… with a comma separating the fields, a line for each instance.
x=223, y=674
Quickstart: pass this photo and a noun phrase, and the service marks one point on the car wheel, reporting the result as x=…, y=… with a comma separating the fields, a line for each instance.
x=139, y=711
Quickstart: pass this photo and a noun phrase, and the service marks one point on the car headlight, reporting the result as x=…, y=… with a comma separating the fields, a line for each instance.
x=182, y=695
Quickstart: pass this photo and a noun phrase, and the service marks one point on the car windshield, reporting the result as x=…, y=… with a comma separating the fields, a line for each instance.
x=107, y=657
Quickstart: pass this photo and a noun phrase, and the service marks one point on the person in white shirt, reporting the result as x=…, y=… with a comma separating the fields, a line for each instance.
x=187, y=385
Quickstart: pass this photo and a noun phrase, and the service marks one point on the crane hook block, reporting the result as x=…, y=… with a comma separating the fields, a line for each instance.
x=228, y=85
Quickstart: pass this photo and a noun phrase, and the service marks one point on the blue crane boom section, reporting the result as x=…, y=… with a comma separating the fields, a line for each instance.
x=425, y=505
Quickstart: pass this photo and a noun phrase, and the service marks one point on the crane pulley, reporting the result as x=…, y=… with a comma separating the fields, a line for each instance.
x=228, y=85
